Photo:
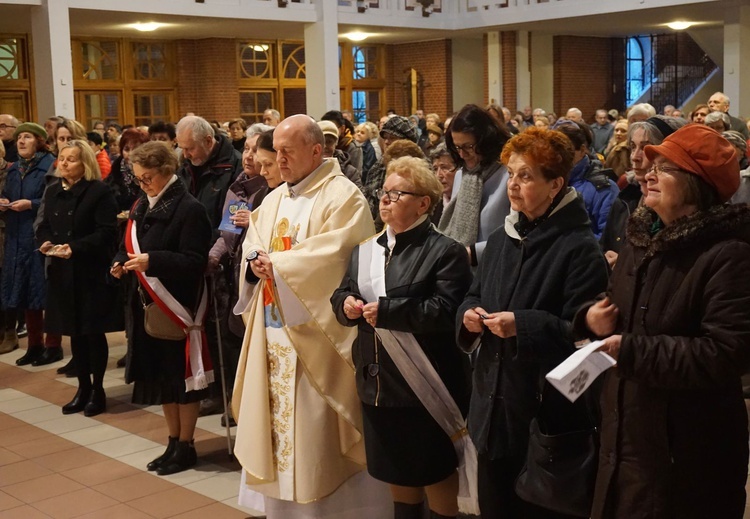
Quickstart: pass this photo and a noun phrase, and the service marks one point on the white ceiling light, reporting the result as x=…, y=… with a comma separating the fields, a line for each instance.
x=356, y=36
x=146, y=27
x=680, y=25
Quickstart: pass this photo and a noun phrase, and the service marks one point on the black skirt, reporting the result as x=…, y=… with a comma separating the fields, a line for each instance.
x=157, y=368
x=405, y=446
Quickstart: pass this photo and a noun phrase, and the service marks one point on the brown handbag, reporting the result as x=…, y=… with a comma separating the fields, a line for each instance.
x=157, y=324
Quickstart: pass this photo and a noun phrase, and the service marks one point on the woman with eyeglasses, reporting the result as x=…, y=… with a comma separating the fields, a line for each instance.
x=164, y=255
x=404, y=285
x=536, y=272
x=475, y=140
x=79, y=234
x=674, y=439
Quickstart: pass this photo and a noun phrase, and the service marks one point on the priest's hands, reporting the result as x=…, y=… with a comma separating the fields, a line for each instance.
x=262, y=266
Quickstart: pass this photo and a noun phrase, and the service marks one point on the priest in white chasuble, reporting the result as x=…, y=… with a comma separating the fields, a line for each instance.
x=299, y=428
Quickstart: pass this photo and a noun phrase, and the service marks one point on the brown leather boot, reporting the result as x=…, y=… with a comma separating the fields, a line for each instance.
x=9, y=342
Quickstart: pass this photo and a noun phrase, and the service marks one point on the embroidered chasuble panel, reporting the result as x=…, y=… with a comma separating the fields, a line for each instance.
x=290, y=229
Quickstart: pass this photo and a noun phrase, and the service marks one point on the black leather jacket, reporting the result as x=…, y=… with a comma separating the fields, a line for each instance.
x=426, y=279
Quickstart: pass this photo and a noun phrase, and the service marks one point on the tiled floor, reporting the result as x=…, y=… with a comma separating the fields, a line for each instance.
x=64, y=467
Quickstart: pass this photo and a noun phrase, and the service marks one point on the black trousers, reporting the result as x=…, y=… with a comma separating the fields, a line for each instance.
x=497, y=494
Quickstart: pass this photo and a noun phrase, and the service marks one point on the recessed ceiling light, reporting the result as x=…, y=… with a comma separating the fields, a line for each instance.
x=356, y=36
x=680, y=25
x=147, y=27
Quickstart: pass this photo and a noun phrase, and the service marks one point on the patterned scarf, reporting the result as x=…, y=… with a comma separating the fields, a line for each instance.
x=26, y=165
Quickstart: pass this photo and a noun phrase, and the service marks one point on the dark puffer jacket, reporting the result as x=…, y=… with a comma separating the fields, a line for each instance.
x=426, y=279
x=674, y=425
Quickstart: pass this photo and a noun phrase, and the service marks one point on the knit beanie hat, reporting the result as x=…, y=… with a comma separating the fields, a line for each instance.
x=32, y=128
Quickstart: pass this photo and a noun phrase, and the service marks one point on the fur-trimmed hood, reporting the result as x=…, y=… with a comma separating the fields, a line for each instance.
x=700, y=229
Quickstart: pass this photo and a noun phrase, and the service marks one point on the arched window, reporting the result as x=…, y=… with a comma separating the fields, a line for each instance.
x=636, y=64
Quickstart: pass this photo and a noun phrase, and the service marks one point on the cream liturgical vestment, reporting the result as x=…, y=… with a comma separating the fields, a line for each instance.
x=299, y=427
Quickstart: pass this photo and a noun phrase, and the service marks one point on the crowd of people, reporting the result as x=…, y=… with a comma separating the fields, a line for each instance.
x=384, y=300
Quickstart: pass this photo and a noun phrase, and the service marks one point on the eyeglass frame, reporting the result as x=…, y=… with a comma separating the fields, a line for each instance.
x=4, y=126
x=658, y=170
x=443, y=167
x=380, y=193
x=466, y=148
x=144, y=181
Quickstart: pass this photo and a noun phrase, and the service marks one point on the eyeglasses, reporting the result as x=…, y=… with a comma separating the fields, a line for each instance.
x=144, y=180
x=394, y=194
x=6, y=126
x=466, y=148
x=443, y=167
x=658, y=170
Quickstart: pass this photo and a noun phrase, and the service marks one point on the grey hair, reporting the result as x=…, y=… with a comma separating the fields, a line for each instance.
x=642, y=109
x=654, y=134
x=275, y=113
x=576, y=111
x=257, y=129
x=726, y=97
x=737, y=140
x=197, y=126
x=440, y=150
x=718, y=116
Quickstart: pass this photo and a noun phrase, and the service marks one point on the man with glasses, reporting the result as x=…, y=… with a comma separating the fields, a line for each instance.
x=8, y=125
x=299, y=432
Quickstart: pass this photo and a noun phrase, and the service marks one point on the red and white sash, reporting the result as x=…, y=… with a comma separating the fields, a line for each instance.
x=198, y=368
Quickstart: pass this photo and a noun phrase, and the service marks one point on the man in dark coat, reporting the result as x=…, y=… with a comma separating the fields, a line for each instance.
x=209, y=167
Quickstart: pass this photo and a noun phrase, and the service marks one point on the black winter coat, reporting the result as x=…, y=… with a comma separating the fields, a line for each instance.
x=613, y=237
x=209, y=182
x=82, y=297
x=426, y=279
x=674, y=425
x=176, y=234
x=543, y=279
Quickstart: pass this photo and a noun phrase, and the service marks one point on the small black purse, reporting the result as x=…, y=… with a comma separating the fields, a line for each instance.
x=560, y=470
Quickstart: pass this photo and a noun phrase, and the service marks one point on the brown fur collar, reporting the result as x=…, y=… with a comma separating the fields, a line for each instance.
x=702, y=229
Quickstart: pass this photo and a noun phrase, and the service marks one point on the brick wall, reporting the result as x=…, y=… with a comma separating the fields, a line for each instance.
x=583, y=74
x=508, y=44
x=433, y=61
x=207, y=78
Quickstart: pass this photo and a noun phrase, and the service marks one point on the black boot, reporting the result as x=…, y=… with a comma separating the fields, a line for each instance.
x=183, y=457
x=97, y=403
x=49, y=356
x=171, y=446
x=32, y=353
x=435, y=515
x=70, y=366
x=79, y=401
x=407, y=511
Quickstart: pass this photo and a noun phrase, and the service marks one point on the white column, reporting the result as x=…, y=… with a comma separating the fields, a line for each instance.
x=322, y=61
x=466, y=55
x=523, y=74
x=53, y=65
x=736, y=58
x=542, y=71
x=494, y=68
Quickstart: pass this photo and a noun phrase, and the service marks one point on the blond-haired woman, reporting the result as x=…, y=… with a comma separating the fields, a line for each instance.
x=425, y=276
x=79, y=233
